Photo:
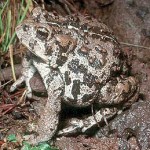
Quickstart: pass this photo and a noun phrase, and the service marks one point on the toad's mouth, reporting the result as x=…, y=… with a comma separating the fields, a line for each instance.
x=44, y=59
x=38, y=54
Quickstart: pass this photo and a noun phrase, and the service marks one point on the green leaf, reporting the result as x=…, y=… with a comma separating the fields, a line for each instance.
x=19, y=21
x=35, y=148
x=41, y=146
x=8, y=29
x=44, y=146
x=20, y=11
x=25, y=11
x=26, y=146
x=12, y=138
x=1, y=26
x=1, y=11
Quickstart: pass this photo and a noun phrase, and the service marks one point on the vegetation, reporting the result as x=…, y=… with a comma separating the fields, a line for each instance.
x=27, y=146
x=9, y=19
x=12, y=13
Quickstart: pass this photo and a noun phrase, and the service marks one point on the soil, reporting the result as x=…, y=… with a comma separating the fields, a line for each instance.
x=130, y=21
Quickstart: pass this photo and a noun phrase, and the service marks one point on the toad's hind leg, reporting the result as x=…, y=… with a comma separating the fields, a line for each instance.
x=81, y=126
x=48, y=122
x=119, y=91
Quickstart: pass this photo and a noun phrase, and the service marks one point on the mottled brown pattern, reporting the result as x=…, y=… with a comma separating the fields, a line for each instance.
x=75, y=57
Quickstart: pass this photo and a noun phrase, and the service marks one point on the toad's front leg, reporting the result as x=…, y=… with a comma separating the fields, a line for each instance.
x=28, y=71
x=48, y=122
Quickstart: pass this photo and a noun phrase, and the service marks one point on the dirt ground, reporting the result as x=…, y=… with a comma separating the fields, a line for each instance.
x=130, y=21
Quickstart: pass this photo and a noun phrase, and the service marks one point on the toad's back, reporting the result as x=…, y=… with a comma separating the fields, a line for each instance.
x=83, y=49
x=87, y=61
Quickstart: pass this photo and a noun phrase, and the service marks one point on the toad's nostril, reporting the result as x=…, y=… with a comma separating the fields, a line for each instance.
x=25, y=27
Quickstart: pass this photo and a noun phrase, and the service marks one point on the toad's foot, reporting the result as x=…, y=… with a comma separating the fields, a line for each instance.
x=81, y=126
x=35, y=140
x=75, y=126
x=18, y=82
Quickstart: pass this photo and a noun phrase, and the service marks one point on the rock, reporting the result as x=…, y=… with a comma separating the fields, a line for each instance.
x=134, y=122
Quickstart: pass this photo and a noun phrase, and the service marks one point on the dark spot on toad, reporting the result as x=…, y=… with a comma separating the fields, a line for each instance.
x=48, y=49
x=87, y=97
x=28, y=56
x=74, y=24
x=63, y=49
x=96, y=36
x=25, y=27
x=95, y=63
x=61, y=60
x=76, y=89
x=97, y=49
x=84, y=27
x=50, y=76
x=74, y=65
x=32, y=44
x=67, y=78
x=49, y=79
x=65, y=24
x=70, y=18
x=82, y=68
x=89, y=79
x=37, y=18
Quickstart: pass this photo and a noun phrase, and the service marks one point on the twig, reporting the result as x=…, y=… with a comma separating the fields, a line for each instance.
x=138, y=46
x=22, y=97
x=12, y=62
x=30, y=4
x=6, y=83
x=68, y=6
x=8, y=107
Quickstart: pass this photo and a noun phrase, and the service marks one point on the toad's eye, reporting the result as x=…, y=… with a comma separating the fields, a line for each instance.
x=42, y=33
